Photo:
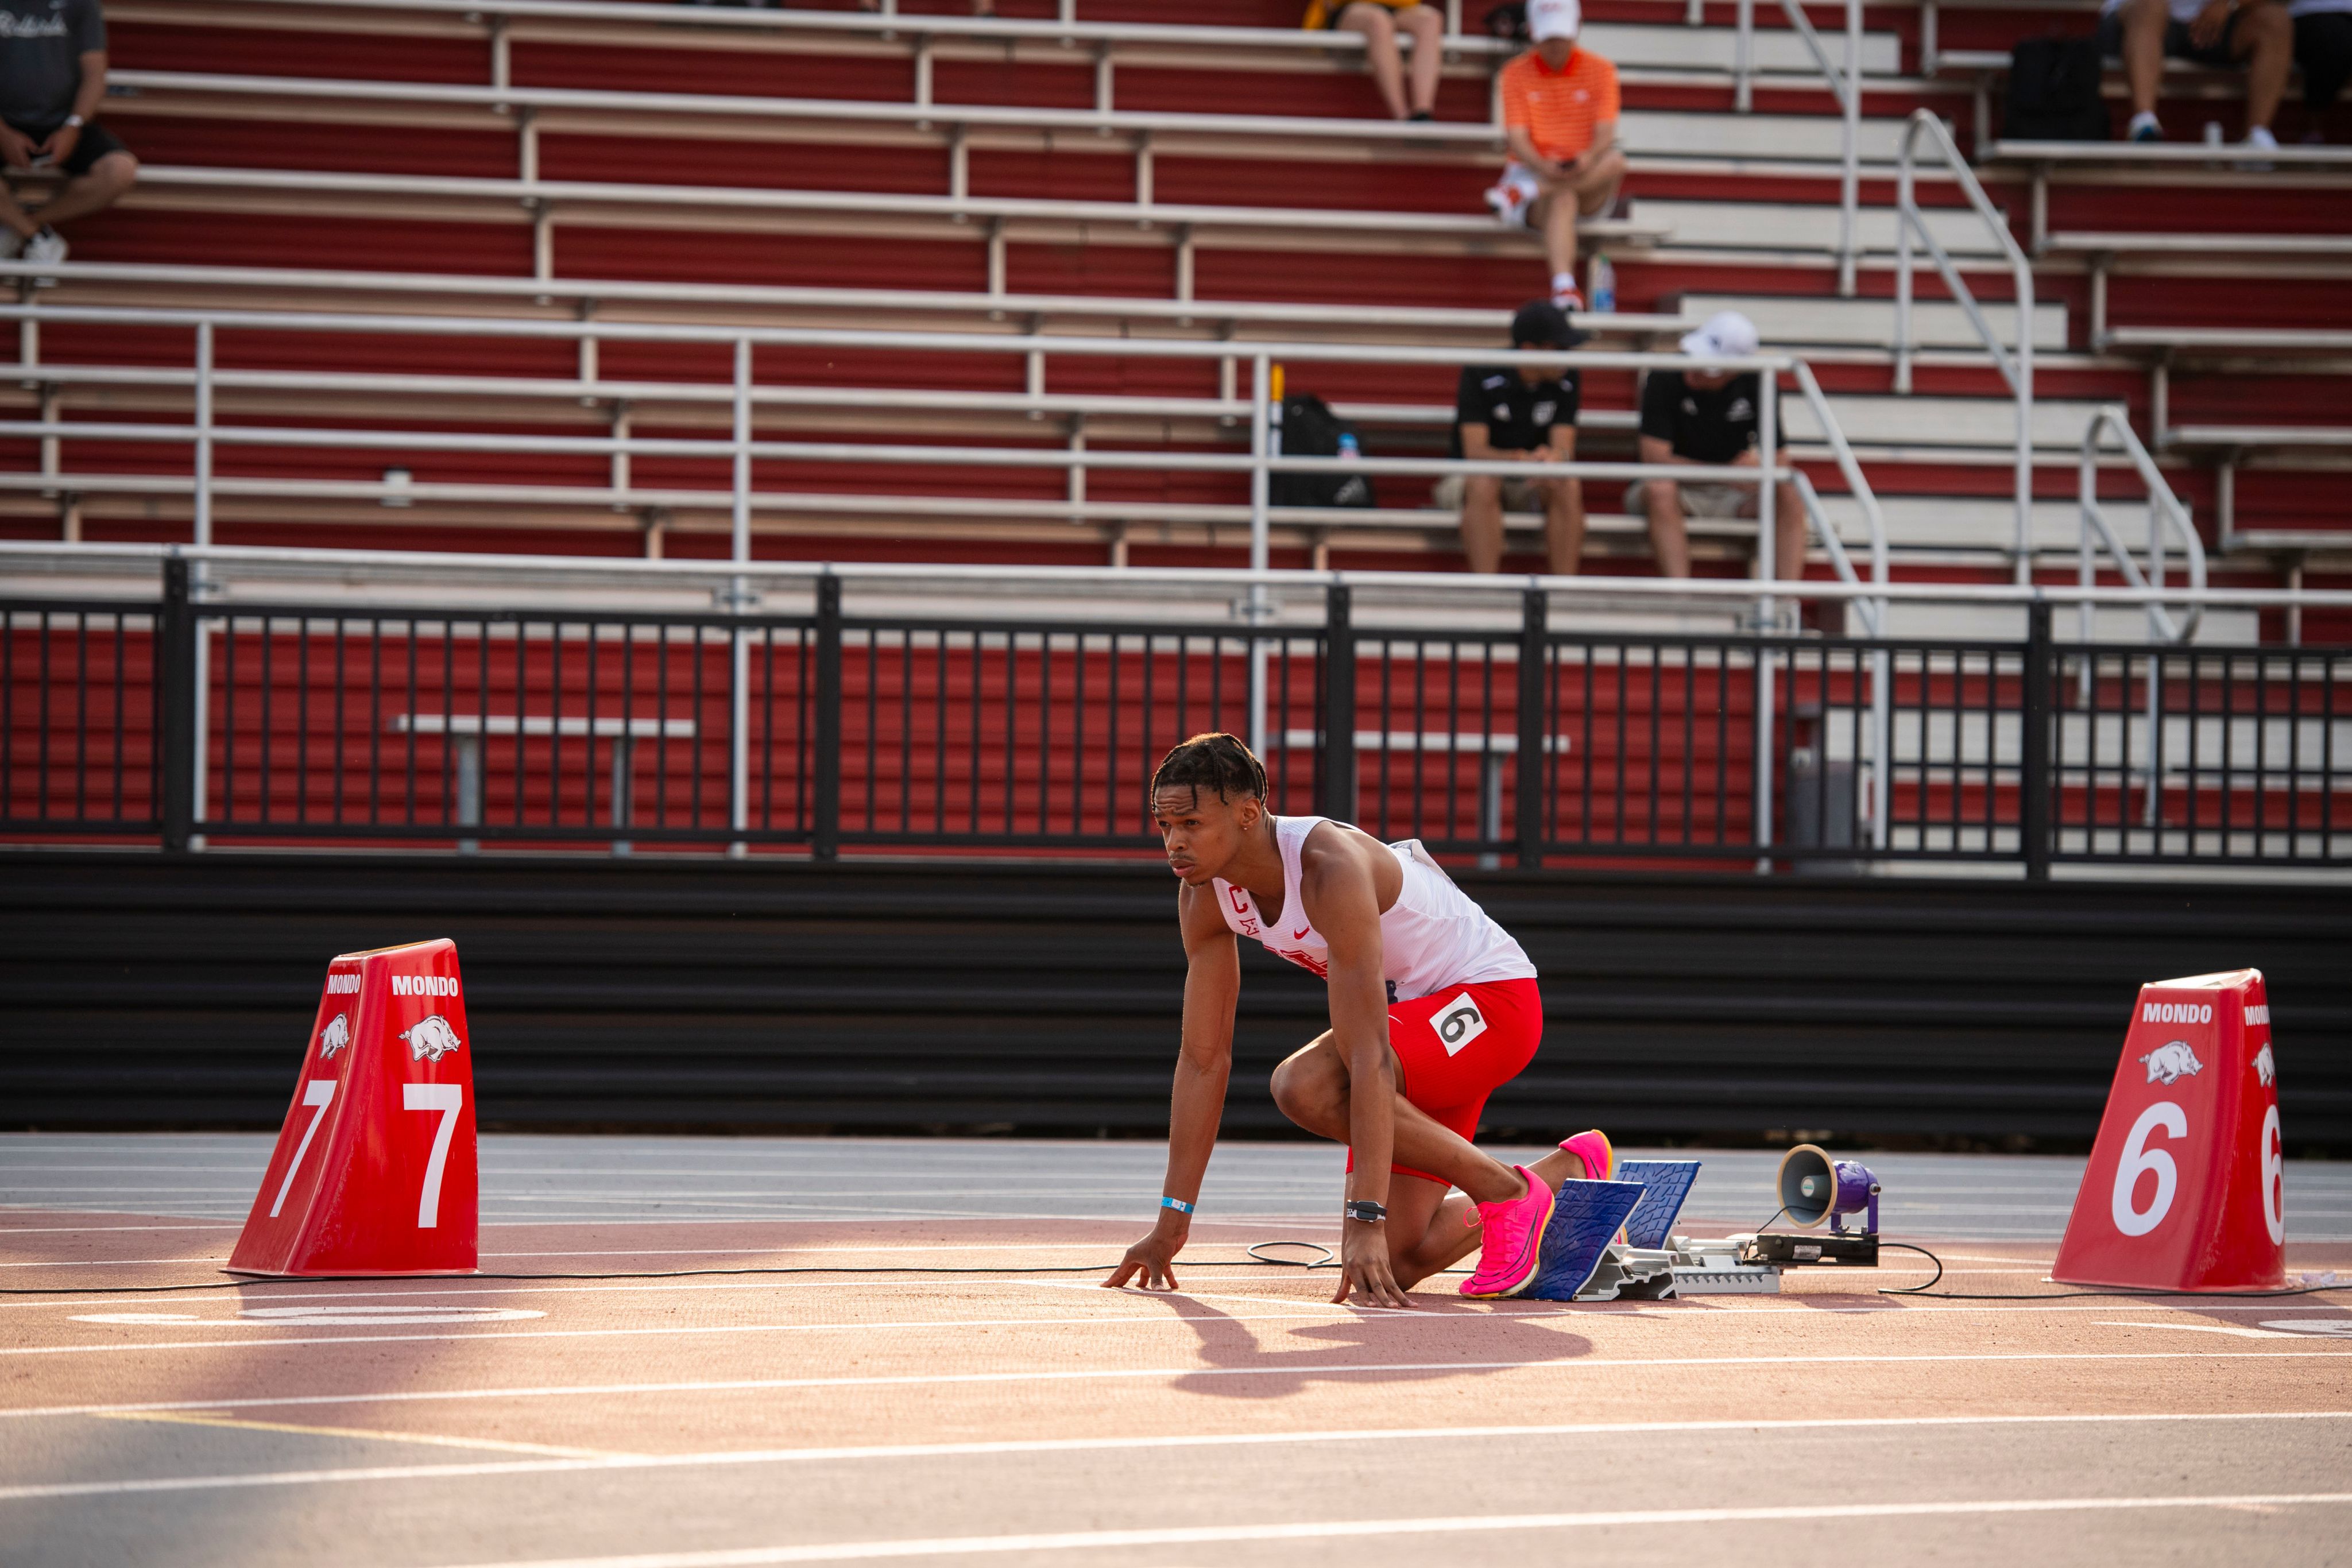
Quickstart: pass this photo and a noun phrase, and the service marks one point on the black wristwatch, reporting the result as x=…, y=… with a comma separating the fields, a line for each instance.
x=1365, y=1211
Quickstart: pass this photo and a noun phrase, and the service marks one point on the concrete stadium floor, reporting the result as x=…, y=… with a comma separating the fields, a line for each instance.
x=997, y=1416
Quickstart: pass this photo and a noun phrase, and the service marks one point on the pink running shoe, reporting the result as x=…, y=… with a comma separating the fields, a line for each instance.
x=1512, y=1242
x=1599, y=1155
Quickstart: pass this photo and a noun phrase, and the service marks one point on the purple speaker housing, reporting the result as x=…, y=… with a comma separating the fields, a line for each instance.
x=1857, y=1190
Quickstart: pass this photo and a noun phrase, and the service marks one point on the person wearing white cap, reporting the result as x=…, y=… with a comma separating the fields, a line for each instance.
x=1559, y=109
x=1705, y=420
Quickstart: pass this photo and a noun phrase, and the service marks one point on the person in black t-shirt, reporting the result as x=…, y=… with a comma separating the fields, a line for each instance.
x=52, y=76
x=1524, y=413
x=1707, y=419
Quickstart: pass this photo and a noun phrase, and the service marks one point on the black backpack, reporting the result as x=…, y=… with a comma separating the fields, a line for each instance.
x=2053, y=93
x=1309, y=429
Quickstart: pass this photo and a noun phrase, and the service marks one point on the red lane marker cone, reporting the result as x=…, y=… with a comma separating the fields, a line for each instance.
x=2187, y=1186
x=374, y=1170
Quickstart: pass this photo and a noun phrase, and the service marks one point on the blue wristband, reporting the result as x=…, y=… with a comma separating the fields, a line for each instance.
x=1178, y=1204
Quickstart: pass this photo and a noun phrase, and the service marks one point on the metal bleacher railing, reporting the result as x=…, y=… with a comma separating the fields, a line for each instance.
x=325, y=698
x=2016, y=365
x=1845, y=87
x=608, y=23
x=203, y=434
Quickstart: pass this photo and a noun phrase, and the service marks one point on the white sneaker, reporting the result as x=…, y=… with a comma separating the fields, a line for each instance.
x=2259, y=139
x=1510, y=196
x=46, y=246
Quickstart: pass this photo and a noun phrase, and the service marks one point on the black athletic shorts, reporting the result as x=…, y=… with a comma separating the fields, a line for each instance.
x=2177, y=43
x=96, y=142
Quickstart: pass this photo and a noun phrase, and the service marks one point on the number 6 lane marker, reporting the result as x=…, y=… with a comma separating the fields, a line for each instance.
x=2137, y=1158
x=449, y=1099
x=318, y=1094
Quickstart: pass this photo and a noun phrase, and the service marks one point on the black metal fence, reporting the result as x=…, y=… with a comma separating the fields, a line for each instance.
x=168, y=718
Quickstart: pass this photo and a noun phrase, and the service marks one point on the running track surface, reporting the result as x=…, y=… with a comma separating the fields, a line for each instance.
x=1003, y=1418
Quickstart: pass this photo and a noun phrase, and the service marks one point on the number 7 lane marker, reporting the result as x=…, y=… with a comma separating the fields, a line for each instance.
x=318, y=1094
x=449, y=1099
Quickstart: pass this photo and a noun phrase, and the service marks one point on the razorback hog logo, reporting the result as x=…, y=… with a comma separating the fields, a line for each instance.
x=2170, y=1063
x=335, y=1036
x=2265, y=1067
x=430, y=1039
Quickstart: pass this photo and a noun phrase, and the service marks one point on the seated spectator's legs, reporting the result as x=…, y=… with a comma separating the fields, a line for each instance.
x=1564, y=525
x=1661, y=500
x=106, y=184
x=1484, y=498
x=99, y=170
x=1379, y=26
x=1427, y=26
x=2323, y=47
x=1669, y=503
x=2143, y=24
x=1588, y=188
x=1482, y=521
x=2262, y=37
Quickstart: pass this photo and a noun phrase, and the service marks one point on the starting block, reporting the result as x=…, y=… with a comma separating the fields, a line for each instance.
x=1582, y=1261
x=374, y=1170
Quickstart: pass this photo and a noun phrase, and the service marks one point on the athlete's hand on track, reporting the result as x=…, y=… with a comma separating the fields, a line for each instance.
x=1364, y=1266
x=1150, y=1257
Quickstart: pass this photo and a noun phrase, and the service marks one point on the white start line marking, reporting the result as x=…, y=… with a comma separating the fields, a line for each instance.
x=308, y=1317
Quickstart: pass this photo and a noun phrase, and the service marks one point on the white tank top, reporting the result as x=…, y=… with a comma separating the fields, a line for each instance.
x=1430, y=938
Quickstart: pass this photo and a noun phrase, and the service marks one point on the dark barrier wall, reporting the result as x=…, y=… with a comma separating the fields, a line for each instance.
x=141, y=990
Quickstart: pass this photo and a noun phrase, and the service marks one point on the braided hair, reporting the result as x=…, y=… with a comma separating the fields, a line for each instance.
x=1212, y=761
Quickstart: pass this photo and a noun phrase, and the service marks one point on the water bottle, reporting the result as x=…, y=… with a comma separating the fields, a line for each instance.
x=1348, y=447
x=1604, y=286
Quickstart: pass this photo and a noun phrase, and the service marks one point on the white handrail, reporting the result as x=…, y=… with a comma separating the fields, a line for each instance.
x=886, y=26
x=1258, y=464
x=1845, y=87
x=2017, y=369
x=1466, y=133
x=588, y=293
x=2164, y=512
x=1208, y=585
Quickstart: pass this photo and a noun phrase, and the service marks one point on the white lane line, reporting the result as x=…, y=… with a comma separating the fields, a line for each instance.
x=494, y=1468
x=1322, y=1314
x=1206, y=1536
x=6, y=1230
x=1351, y=1368
x=879, y=1247
x=2206, y=1328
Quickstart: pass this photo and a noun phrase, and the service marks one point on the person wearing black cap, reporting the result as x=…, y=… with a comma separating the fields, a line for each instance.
x=1524, y=413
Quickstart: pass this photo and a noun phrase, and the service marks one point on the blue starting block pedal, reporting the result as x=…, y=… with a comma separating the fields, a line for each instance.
x=1666, y=1184
x=1584, y=1220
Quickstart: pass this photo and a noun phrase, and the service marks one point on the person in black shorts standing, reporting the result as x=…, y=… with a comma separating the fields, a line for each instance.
x=52, y=76
x=1522, y=413
x=1706, y=419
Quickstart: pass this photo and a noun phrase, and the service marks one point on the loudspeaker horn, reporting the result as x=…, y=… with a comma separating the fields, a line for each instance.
x=1816, y=1189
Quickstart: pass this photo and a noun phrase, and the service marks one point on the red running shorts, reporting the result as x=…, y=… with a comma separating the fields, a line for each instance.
x=1458, y=1045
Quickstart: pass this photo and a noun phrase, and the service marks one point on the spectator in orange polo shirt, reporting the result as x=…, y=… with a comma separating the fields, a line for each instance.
x=1559, y=115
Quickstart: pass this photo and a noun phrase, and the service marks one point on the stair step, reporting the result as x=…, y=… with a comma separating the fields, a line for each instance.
x=2219, y=626
x=1889, y=420
x=1671, y=47
x=1792, y=226
x=1694, y=133
x=1980, y=523
x=1791, y=320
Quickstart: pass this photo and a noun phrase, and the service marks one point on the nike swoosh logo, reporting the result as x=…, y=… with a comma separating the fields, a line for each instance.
x=1300, y=935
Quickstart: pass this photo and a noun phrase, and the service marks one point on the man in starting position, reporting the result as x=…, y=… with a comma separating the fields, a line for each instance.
x=1433, y=1008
